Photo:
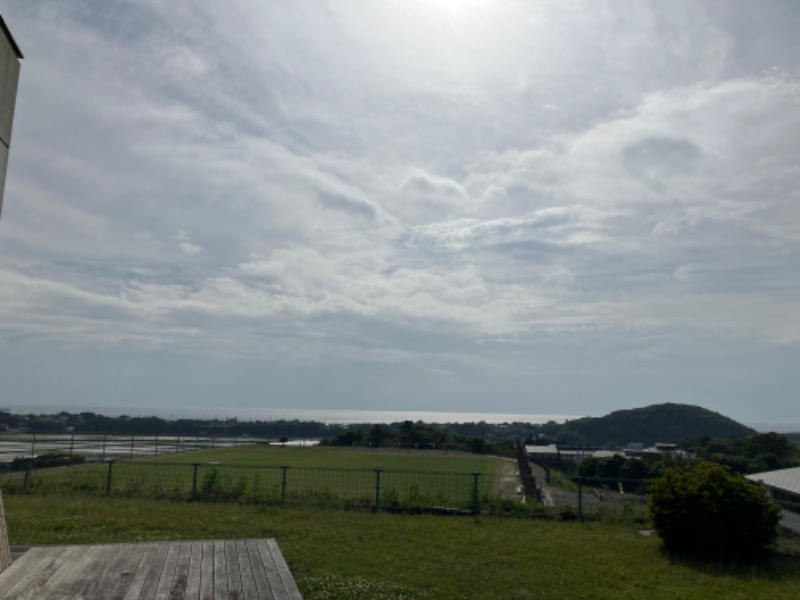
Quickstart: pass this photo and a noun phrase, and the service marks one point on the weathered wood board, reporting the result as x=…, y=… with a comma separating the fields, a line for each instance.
x=196, y=570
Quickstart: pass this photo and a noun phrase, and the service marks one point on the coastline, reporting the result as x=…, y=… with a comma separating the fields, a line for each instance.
x=344, y=416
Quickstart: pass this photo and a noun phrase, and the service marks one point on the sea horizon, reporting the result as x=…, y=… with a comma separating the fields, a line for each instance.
x=335, y=416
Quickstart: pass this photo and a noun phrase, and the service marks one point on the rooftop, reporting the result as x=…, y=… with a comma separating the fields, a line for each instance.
x=784, y=479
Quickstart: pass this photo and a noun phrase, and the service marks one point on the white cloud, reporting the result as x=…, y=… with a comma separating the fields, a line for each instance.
x=399, y=181
x=423, y=198
x=184, y=243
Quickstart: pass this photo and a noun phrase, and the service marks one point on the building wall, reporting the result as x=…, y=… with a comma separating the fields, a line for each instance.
x=9, y=76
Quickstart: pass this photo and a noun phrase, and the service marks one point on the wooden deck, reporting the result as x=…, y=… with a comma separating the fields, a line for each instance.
x=212, y=570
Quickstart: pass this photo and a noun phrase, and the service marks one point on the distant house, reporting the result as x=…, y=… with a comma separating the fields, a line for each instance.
x=784, y=487
x=666, y=448
x=549, y=452
x=565, y=453
x=607, y=453
x=637, y=450
x=575, y=453
x=10, y=56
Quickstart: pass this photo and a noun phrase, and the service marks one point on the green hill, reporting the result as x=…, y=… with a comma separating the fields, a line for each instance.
x=651, y=424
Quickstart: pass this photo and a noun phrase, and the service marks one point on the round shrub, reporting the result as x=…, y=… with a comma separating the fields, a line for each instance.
x=705, y=510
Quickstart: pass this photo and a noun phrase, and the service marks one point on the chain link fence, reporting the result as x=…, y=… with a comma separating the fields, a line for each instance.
x=367, y=489
x=374, y=489
x=582, y=498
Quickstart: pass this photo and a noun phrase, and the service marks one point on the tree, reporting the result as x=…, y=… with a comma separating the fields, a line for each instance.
x=378, y=434
x=611, y=466
x=633, y=468
x=349, y=438
x=589, y=467
x=706, y=510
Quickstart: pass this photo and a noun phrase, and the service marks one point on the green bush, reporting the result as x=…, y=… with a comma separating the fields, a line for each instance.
x=705, y=510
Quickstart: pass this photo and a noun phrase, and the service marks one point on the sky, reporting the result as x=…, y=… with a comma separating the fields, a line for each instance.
x=558, y=207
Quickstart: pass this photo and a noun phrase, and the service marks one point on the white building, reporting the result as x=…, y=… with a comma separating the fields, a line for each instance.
x=549, y=452
x=784, y=487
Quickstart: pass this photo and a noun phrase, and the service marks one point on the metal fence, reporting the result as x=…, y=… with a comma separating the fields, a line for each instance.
x=595, y=497
x=374, y=489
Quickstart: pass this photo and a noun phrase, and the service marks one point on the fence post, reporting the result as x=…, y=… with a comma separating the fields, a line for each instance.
x=283, y=484
x=580, y=498
x=378, y=489
x=476, y=503
x=109, y=477
x=28, y=471
x=194, y=480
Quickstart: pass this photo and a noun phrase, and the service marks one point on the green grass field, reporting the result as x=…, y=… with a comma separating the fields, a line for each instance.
x=316, y=476
x=343, y=458
x=340, y=554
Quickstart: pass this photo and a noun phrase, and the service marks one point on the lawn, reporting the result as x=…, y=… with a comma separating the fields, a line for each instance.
x=332, y=457
x=340, y=554
x=317, y=476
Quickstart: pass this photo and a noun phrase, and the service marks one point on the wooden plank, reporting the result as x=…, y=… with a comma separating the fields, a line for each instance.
x=289, y=584
x=249, y=589
x=79, y=575
x=260, y=579
x=112, y=555
x=167, y=573
x=268, y=569
x=74, y=562
x=146, y=580
x=232, y=566
x=211, y=570
x=220, y=585
x=207, y=571
x=65, y=575
x=28, y=566
x=36, y=569
x=194, y=574
x=127, y=569
x=177, y=590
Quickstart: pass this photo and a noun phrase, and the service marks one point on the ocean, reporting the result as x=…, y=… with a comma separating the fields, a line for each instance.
x=325, y=415
x=343, y=416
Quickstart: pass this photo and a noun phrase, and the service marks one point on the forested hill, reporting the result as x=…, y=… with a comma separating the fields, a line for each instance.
x=651, y=424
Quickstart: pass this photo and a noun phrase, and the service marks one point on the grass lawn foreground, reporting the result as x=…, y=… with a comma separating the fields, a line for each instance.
x=340, y=554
